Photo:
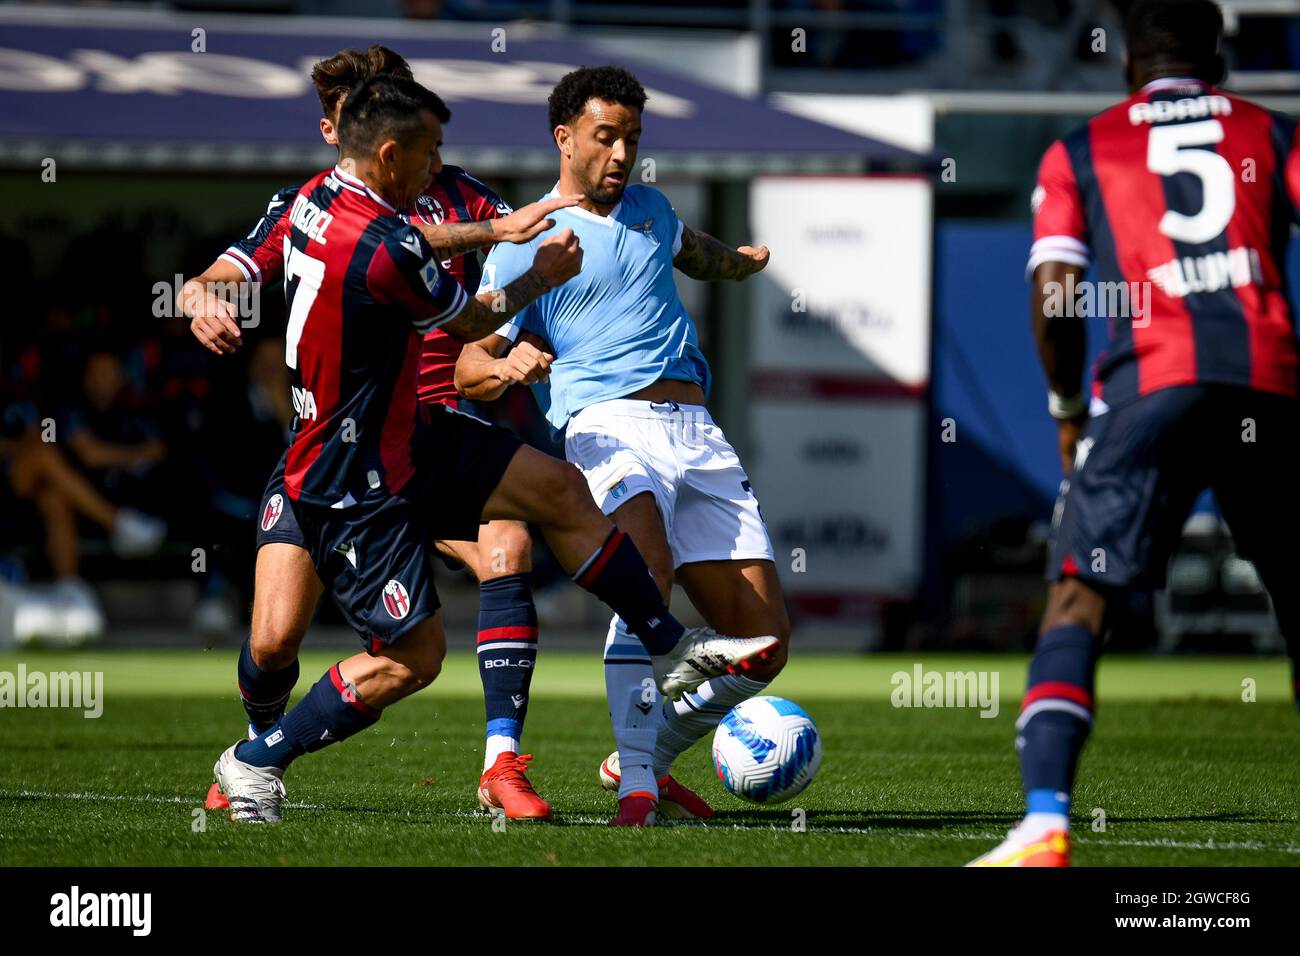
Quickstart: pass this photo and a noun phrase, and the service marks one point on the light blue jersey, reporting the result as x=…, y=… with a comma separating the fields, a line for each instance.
x=619, y=324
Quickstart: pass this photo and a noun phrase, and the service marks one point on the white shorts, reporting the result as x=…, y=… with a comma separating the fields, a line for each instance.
x=626, y=446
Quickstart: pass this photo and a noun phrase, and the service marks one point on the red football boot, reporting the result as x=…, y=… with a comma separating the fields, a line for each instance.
x=676, y=802
x=503, y=786
x=216, y=800
x=635, y=810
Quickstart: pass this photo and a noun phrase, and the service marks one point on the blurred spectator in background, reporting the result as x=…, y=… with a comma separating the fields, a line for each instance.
x=37, y=472
x=119, y=448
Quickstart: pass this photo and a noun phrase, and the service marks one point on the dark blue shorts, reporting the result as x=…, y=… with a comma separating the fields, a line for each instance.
x=1142, y=465
x=276, y=521
x=373, y=557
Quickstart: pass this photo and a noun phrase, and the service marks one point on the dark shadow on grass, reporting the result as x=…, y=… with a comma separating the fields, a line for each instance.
x=946, y=819
x=106, y=747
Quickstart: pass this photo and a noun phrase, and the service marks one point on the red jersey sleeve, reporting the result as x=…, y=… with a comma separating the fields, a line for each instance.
x=1060, y=231
x=260, y=254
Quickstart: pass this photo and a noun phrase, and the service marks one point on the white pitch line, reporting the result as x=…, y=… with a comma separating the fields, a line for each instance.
x=1156, y=842
x=124, y=798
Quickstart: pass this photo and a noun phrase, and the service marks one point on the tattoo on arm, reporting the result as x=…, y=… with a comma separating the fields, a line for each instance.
x=487, y=312
x=703, y=257
x=456, y=238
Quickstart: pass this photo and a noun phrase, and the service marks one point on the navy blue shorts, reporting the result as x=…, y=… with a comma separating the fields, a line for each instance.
x=276, y=521
x=373, y=557
x=1142, y=465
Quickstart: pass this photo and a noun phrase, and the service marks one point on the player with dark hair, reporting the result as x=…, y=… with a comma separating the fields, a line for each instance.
x=373, y=477
x=458, y=215
x=629, y=385
x=1182, y=196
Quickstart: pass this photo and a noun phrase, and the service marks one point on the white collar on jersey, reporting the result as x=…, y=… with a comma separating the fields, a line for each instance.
x=586, y=213
x=348, y=181
x=1169, y=82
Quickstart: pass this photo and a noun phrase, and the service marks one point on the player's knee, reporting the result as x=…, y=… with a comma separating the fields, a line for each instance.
x=767, y=670
x=273, y=645
x=511, y=552
x=1071, y=603
x=419, y=671
x=277, y=633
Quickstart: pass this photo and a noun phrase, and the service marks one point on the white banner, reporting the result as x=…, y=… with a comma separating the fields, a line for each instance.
x=840, y=488
x=848, y=287
x=840, y=369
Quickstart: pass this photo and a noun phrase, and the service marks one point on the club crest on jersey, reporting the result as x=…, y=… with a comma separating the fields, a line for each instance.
x=429, y=210
x=646, y=227
x=271, y=513
x=396, y=601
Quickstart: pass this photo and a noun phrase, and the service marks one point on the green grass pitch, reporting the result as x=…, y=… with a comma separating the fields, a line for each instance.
x=1184, y=770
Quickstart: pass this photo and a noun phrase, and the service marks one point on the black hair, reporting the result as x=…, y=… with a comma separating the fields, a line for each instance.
x=613, y=84
x=385, y=107
x=1176, y=32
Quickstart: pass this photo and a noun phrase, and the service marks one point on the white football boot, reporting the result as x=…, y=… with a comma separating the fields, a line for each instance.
x=703, y=653
x=254, y=793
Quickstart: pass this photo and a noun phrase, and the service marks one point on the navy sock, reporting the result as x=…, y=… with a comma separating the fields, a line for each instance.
x=330, y=712
x=265, y=694
x=617, y=574
x=507, y=652
x=1056, y=715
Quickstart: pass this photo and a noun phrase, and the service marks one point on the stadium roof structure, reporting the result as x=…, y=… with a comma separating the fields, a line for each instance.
x=113, y=89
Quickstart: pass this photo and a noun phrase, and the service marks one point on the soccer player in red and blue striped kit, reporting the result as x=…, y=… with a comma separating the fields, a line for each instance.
x=458, y=215
x=1182, y=198
x=373, y=478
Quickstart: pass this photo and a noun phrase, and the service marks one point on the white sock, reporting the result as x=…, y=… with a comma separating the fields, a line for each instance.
x=695, y=714
x=633, y=709
x=497, y=744
x=1034, y=825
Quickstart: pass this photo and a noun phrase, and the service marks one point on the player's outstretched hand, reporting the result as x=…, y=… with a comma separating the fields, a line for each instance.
x=525, y=364
x=757, y=258
x=559, y=258
x=529, y=222
x=212, y=319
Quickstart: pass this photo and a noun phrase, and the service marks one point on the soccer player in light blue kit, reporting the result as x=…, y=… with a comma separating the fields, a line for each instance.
x=615, y=361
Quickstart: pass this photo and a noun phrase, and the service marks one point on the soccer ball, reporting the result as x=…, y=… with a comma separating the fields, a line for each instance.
x=767, y=750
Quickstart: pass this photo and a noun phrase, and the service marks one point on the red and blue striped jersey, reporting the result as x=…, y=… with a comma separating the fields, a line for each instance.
x=453, y=195
x=362, y=288
x=1185, y=195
